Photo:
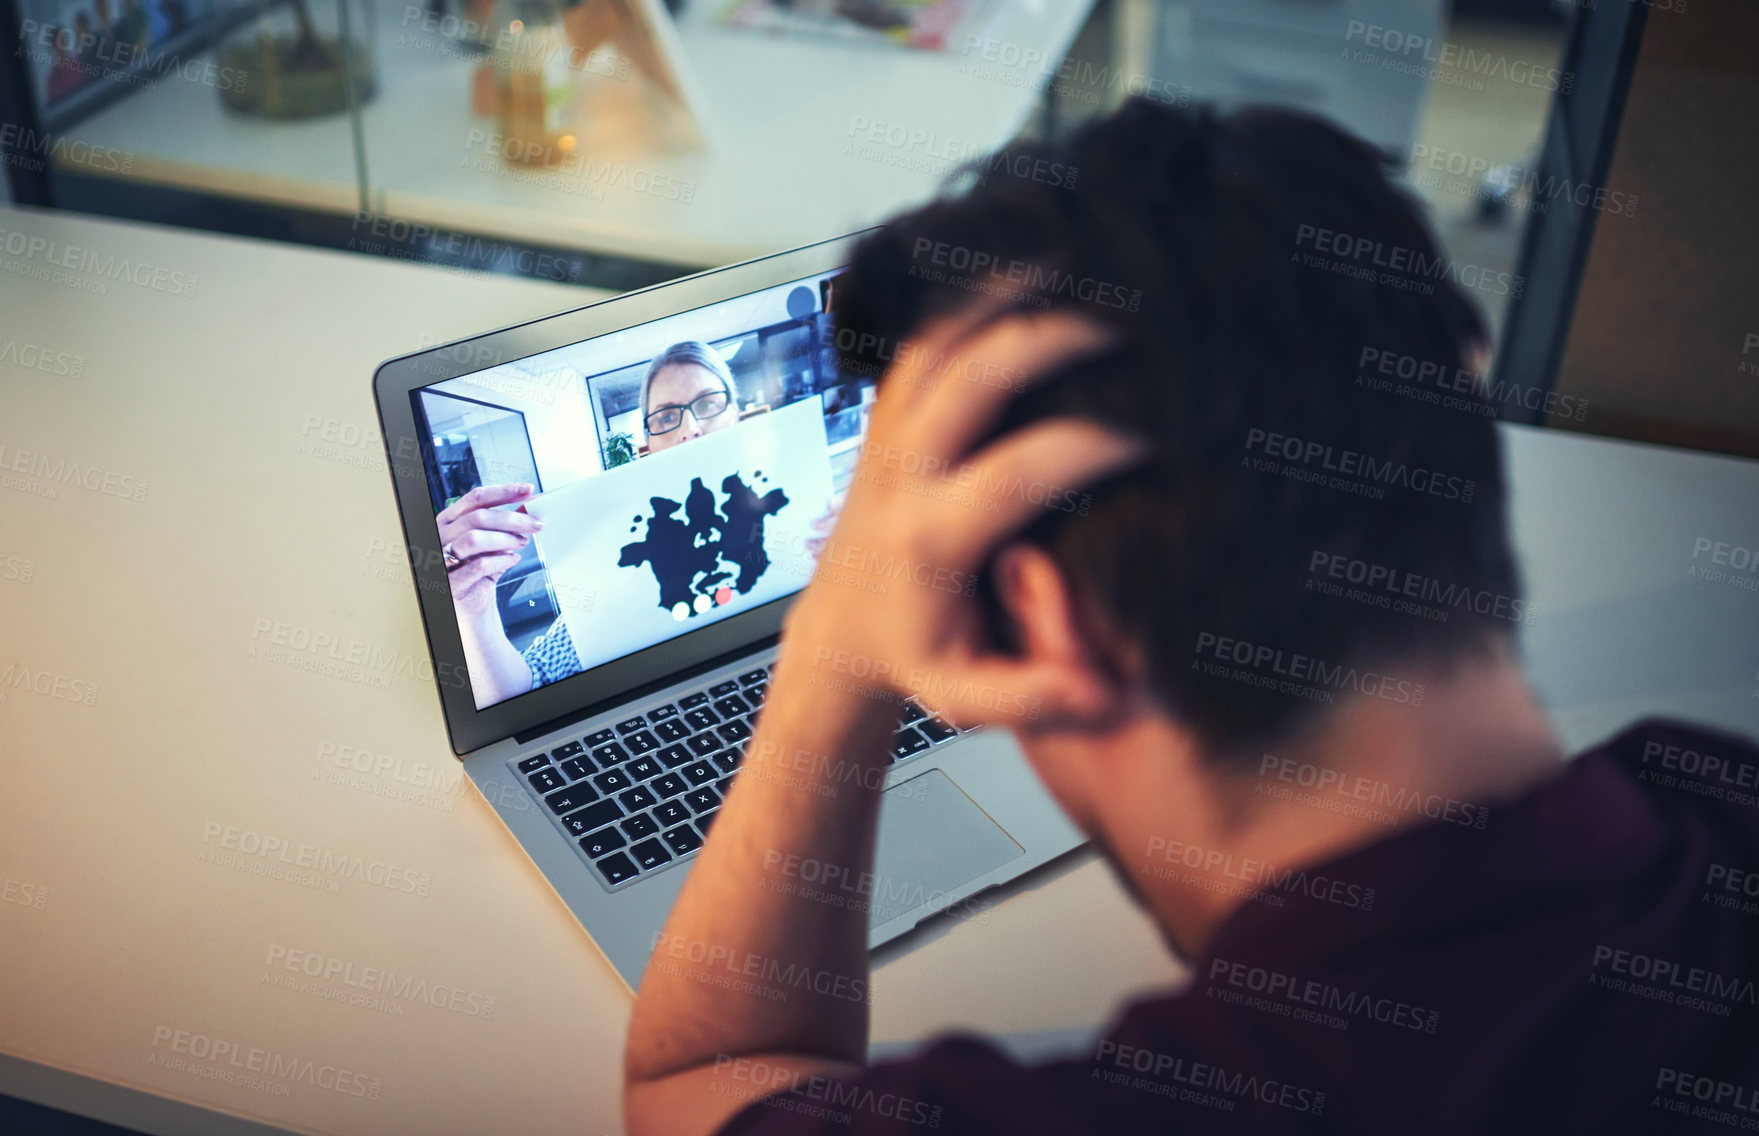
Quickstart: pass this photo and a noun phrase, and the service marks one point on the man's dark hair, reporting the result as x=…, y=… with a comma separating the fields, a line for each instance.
x=1262, y=270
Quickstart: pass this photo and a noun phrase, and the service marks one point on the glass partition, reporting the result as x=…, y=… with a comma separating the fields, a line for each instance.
x=621, y=142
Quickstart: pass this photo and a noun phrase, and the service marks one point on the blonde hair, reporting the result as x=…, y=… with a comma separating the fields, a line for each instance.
x=693, y=351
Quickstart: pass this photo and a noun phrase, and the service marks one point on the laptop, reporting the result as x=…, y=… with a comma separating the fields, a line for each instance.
x=601, y=689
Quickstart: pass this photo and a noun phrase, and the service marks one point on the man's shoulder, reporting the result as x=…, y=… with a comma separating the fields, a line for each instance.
x=1496, y=975
x=1688, y=770
x=1687, y=748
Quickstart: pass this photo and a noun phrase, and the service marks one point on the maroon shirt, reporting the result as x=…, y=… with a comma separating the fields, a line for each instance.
x=1583, y=962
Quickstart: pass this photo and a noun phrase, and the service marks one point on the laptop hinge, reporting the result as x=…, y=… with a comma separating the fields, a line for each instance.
x=525, y=736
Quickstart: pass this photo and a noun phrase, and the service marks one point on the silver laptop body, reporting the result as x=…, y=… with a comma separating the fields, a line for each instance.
x=562, y=764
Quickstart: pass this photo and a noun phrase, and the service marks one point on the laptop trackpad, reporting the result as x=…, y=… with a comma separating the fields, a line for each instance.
x=932, y=839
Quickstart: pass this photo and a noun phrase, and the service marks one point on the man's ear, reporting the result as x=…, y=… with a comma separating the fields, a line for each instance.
x=1050, y=632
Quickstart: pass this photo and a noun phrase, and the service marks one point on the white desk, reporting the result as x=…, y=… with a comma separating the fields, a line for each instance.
x=789, y=163
x=156, y=602
x=207, y=398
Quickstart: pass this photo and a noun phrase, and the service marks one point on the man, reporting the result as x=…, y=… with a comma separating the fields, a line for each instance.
x=1268, y=666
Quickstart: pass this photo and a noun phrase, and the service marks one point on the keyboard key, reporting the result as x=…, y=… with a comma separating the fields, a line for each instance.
x=670, y=813
x=546, y=779
x=604, y=840
x=592, y=817
x=749, y=677
x=638, y=798
x=630, y=725
x=704, y=744
x=706, y=819
x=702, y=800
x=568, y=750
x=722, y=689
x=616, y=869
x=612, y=780
x=571, y=798
x=600, y=737
x=583, y=821
x=755, y=694
x=731, y=706
x=701, y=773
x=722, y=784
x=610, y=754
x=906, y=743
x=641, y=742
x=642, y=768
x=533, y=764
x=936, y=730
x=913, y=713
x=661, y=713
x=726, y=761
x=577, y=767
x=691, y=700
x=682, y=840
x=701, y=718
x=668, y=785
x=650, y=854
x=672, y=730
x=640, y=826
x=733, y=732
x=674, y=756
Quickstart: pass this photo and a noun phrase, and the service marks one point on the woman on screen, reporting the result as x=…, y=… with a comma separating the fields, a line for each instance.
x=688, y=392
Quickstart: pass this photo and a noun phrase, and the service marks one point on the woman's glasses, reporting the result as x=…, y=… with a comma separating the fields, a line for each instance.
x=668, y=418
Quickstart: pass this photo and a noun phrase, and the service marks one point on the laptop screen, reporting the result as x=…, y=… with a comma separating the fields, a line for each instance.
x=601, y=498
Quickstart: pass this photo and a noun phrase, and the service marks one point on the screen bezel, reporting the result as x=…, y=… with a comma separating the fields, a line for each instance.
x=468, y=728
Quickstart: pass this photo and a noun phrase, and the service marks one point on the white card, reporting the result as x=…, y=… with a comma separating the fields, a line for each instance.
x=679, y=539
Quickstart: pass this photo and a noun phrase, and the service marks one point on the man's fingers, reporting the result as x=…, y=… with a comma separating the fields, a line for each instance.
x=987, y=369
x=915, y=373
x=994, y=690
x=484, y=497
x=1042, y=466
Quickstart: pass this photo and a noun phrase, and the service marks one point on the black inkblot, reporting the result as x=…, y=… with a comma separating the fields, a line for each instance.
x=691, y=557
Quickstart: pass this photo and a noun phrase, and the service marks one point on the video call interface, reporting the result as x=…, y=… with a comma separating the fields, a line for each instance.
x=679, y=469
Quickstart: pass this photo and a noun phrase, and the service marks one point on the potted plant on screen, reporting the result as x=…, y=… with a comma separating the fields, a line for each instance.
x=617, y=450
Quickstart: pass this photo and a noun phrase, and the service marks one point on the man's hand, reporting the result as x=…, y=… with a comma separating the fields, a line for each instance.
x=890, y=608
x=486, y=540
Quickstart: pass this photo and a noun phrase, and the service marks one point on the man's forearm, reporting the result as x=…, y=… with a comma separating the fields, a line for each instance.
x=808, y=792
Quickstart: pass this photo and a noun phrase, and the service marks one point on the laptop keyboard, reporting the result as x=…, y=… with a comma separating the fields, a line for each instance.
x=639, y=796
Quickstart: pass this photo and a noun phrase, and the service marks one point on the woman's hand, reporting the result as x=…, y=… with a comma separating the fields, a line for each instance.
x=481, y=542
x=823, y=525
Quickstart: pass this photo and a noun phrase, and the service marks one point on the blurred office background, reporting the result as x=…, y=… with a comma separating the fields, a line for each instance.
x=1589, y=166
